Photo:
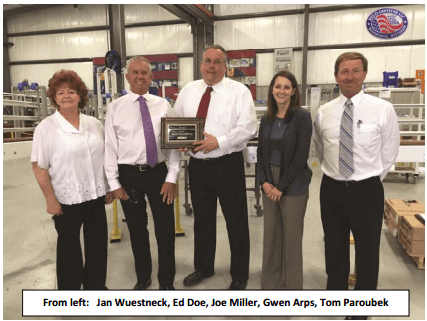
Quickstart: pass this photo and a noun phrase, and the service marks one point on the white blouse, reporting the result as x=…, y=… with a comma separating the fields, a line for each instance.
x=74, y=158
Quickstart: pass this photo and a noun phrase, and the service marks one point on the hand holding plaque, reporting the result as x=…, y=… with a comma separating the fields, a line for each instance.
x=181, y=132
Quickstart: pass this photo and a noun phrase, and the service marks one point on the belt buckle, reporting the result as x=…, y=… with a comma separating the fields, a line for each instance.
x=142, y=168
x=206, y=160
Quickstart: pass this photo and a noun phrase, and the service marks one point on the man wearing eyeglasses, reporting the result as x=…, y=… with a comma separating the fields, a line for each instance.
x=216, y=168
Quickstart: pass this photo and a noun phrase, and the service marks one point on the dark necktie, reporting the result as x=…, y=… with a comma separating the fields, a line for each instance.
x=150, y=139
x=346, y=164
x=204, y=103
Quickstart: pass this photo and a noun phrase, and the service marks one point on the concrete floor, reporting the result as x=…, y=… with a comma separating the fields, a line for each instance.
x=29, y=246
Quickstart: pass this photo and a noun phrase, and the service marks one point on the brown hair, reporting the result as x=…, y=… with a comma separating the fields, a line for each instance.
x=73, y=80
x=224, y=53
x=295, y=103
x=350, y=56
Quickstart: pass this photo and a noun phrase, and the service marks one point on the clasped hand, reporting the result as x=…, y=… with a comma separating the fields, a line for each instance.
x=206, y=145
x=272, y=192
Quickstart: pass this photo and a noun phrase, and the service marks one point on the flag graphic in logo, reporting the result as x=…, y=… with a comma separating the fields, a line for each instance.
x=387, y=23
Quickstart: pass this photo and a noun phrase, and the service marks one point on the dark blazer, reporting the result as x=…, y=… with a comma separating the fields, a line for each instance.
x=296, y=140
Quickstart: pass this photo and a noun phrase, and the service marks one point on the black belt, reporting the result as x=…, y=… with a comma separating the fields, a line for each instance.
x=351, y=183
x=143, y=167
x=213, y=160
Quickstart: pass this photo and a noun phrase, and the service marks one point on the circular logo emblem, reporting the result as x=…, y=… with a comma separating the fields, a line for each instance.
x=387, y=23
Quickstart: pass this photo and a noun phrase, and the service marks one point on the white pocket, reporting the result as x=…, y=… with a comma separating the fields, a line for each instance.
x=367, y=134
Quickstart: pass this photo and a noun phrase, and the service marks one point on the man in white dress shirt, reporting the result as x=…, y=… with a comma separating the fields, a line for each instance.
x=357, y=141
x=135, y=167
x=216, y=168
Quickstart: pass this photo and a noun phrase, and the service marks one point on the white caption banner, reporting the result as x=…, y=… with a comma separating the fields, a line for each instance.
x=215, y=303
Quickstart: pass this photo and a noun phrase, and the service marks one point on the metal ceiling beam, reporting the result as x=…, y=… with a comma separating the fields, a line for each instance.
x=350, y=7
x=199, y=14
x=174, y=9
x=206, y=10
x=27, y=9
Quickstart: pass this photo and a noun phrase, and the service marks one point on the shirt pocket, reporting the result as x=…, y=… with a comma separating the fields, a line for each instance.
x=367, y=134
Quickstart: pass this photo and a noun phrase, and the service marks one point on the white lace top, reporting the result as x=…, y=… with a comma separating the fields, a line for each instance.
x=74, y=158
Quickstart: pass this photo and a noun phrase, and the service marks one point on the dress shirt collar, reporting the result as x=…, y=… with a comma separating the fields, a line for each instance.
x=134, y=97
x=66, y=125
x=356, y=99
x=216, y=88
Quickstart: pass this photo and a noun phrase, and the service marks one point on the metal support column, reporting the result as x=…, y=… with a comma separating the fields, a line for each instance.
x=202, y=38
x=304, y=56
x=203, y=35
x=6, y=67
x=43, y=107
x=117, y=36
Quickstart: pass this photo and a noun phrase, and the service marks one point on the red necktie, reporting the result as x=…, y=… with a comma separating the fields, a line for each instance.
x=204, y=103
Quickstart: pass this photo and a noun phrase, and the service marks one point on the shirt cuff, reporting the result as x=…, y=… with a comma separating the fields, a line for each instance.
x=171, y=177
x=114, y=184
x=222, y=143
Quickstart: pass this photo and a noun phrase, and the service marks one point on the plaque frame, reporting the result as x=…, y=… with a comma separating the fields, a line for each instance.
x=166, y=143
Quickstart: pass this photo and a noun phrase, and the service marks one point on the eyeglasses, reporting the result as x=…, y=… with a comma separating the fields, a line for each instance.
x=217, y=62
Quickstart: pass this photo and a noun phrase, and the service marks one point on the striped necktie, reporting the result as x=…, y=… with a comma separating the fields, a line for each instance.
x=346, y=164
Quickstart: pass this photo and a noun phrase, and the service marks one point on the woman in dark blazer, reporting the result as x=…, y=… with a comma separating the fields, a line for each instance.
x=283, y=173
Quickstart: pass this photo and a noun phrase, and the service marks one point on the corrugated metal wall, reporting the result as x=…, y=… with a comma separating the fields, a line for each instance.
x=139, y=41
x=325, y=28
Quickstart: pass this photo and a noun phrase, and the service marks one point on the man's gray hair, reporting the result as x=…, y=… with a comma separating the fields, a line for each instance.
x=138, y=58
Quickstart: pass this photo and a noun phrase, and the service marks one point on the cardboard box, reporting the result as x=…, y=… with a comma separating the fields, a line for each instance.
x=390, y=223
x=413, y=248
x=412, y=236
x=400, y=207
x=414, y=229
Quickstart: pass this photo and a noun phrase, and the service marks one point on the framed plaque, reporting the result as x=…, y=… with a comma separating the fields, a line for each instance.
x=181, y=132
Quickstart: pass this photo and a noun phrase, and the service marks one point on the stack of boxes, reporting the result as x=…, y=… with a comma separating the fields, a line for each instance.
x=399, y=217
x=412, y=236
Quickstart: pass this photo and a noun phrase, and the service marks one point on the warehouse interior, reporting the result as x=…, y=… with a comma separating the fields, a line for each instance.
x=41, y=39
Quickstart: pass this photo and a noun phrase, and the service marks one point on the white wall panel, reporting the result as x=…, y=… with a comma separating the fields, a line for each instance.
x=231, y=9
x=349, y=26
x=418, y=59
x=224, y=34
x=59, y=17
x=419, y=23
x=59, y=46
x=320, y=66
x=185, y=71
x=265, y=67
x=288, y=31
x=297, y=69
x=159, y=40
x=322, y=28
x=396, y=59
x=260, y=33
x=404, y=59
x=43, y=72
x=135, y=13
